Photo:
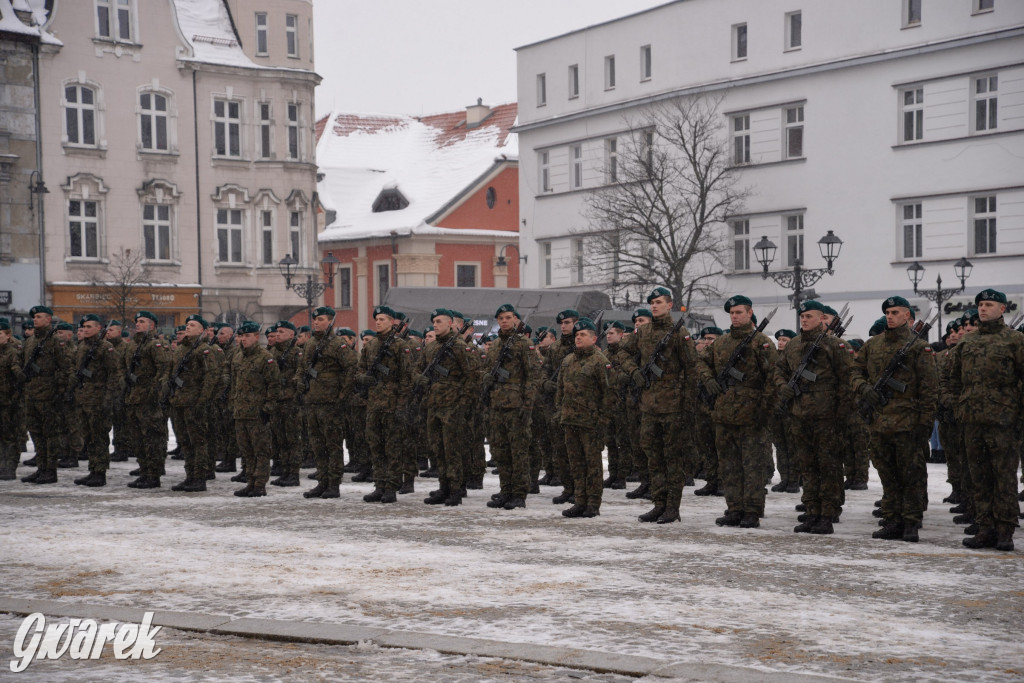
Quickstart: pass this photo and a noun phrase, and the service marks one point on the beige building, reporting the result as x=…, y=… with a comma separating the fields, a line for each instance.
x=178, y=150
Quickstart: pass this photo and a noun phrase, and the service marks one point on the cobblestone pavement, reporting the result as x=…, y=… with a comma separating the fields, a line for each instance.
x=766, y=599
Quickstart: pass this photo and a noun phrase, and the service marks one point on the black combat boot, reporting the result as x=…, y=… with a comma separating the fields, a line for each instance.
x=575, y=511
x=959, y=509
x=137, y=472
x=244, y=491
x=241, y=477
x=148, y=483
x=211, y=475
x=806, y=526
x=707, y=490
x=454, y=499
x=607, y=483
x=183, y=485
x=97, y=479
x=878, y=503
x=275, y=470
x=373, y=496
x=31, y=478
x=534, y=487
x=119, y=456
x=668, y=516
x=31, y=462
x=514, y=503
x=729, y=519
x=633, y=477
x=859, y=486
x=437, y=497
x=47, y=477
x=555, y=481
x=197, y=486
x=315, y=491
x=81, y=481
x=1020, y=496
x=591, y=511
x=639, y=492
x=408, y=486
x=910, y=534
x=800, y=507
x=985, y=538
x=476, y=483
x=258, y=492
x=966, y=518
x=68, y=462
x=289, y=479
x=618, y=484
x=350, y=468
x=226, y=466
x=778, y=488
x=892, y=531
x=389, y=497
x=562, y=498
x=332, y=490
x=953, y=498
x=652, y=515
x=877, y=512
x=177, y=449
x=316, y=477
x=498, y=500
x=1004, y=537
x=431, y=473
x=363, y=477
x=972, y=529
x=750, y=521
x=793, y=487
x=545, y=480
x=823, y=526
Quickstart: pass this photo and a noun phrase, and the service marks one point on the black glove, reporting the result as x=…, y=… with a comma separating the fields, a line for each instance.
x=871, y=397
x=366, y=380
x=488, y=381
x=786, y=393
x=550, y=386
x=713, y=387
x=638, y=378
x=422, y=381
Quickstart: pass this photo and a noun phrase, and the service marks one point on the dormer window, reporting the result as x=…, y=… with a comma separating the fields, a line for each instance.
x=390, y=200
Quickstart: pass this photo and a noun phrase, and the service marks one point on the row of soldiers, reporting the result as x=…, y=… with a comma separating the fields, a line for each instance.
x=663, y=405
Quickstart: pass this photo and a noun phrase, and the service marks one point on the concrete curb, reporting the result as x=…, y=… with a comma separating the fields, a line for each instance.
x=348, y=634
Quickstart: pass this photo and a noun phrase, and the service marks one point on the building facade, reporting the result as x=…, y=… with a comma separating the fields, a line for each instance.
x=898, y=124
x=178, y=150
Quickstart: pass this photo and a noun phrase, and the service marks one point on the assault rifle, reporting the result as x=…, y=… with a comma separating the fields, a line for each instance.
x=729, y=376
x=131, y=379
x=176, y=381
x=282, y=362
x=311, y=372
x=434, y=366
x=84, y=372
x=499, y=373
x=802, y=371
x=31, y=368
x=651, y=370
x=887, y=383
x=1017, y=321
x=377, y=369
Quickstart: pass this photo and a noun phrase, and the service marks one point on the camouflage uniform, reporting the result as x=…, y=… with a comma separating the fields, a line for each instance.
x=11, y=376
x=326, y=365
x=120, y=440
x=74, y=438
x=286, y=423
x=382, y=402
x=620, y=446
x=195, y=376
x=582, y=400
x=221, y=424
x=44, y=395
x=96, y=383
x=557, y=352
x=950, y=430
x=255, y=391
x=704, y=440
x=147, y=364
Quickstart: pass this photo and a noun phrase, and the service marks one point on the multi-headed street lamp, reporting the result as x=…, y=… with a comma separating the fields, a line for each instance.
x=800, y=278
x=962, y=269
x=311, y=289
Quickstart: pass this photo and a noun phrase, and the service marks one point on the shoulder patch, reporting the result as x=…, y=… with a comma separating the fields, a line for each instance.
x=607, y=367
x=531, y=348
x=206, y=352
x=687, y=337
x=842, y=345
x=765, y=345
x=270, y=360
x=344, y=345
x=929, y=349
x=158, y=345
x=408, y=350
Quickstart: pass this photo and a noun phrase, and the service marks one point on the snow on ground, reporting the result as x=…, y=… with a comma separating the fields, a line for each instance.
x=765, y=598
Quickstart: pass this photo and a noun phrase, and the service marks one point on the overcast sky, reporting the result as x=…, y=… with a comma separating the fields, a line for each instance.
x=427, y=56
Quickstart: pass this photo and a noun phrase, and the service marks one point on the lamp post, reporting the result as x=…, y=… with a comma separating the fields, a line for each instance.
x=310, y=289
x=38, y=189
x=962, y=269
x=501, y=262
x=799, y=278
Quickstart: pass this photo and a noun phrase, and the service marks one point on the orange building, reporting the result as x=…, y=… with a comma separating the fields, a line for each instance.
x=429, y=201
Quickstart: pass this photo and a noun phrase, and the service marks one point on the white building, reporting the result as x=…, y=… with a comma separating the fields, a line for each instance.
x=899, y=124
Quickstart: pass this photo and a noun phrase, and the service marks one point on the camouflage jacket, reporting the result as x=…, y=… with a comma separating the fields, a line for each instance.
x=453, y=376
x=674, y=389
x=944, y=366
x=52, y=374
x=583, y=388
x=199, y=378
x=146, y=365
x=906, y=410
x=987, y=374
x=822, y=398
x=327, y=367
x=288, y=355
x=255, y=383
x=556, y=353
x=746, y=400
x=97, y=381
x=119, y=345
x=519, y=390
x=11, y=374
x=393, y=373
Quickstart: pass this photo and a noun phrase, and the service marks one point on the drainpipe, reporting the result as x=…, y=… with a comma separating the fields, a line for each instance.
x=39, y=167
x=199, y=212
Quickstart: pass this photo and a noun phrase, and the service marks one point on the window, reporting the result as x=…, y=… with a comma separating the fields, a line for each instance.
x=739, y=42
x=794, y=132
x=83, y=226
x=985, y=102
x=984, y=225
x=383, y=281
x=114, y=19
x=545, y=172
x=611, y=153
x=645, y=63
x=912, y=230
x=293, y=131
x=983, y=6
x=911, y=13
x=153, y=122
x=913, y=114
x=227, y=127
x=262, y=47
x=794, y=239
x=547, y=264
x=577, y=166
x=266, y=149
x=542, y=89
x=579, y=262
x=390, y=200
x=741, y=245
x=794, y=30
x=491, y=197
x=465, y=275
x=294, y=234
x=741, y=139
x=229, y=235
x=267, y=231
x=80, y=115
x=156, y=231
x=609, y=72
x=345, y=287
x=291, y=33
x=574, y=81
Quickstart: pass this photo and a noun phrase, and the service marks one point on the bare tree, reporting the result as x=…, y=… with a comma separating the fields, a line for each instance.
x=671, y=186
x=119, y=283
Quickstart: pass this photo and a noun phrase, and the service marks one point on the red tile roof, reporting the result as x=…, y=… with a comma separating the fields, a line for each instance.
x=451, y=126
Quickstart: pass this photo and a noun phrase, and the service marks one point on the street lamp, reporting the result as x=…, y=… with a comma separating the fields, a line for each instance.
x=310, y=289
x=501, y=262
x=799, y=278
x=38, y=188
x=962, y=269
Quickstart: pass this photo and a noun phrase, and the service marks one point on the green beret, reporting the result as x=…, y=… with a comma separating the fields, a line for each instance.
x=566, y=314
x=5, y=324
x=287, y=324
x=416, y=333
x=399, y=315
x=457, y=314
x=506, y=308
x=894, y=302
x=617, y=324
x=646, y=312
x=440, y=311
x=125, y=334
x=830, y=311
x=28, y=325
x=753, y=318
x=738, y=300
x=970, y=315
x=990, y=295
x=785, y=333
x=40, y=309
x=659, y=291
x=953, y=325
x=810, y=304
x=856, y=344
x=199, y=319
x=490, y=338
x=89, y=318
x=271, y=328
x=249, y=327
x=345, y=331
x=384, y=310
x=367, y=333
x=711, y=330
x=324, y=310
x=305, y=328
x=878, y=327
x=631, y=329
x=115, y=323
x=541, y=330
x=527, y=329
x=179, y=328
x=65, y=326
x=584, y=324
x=146, y=314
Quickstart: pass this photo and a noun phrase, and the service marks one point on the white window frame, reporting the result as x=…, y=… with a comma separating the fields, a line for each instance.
x=984, y=219
x=265, y=130
x=156, y=195
x=546, y=259
x=82, y=220
x=912, y=114
x=120, y=18
x=911, y=16
x=609, y=72
x=985, y=96
x=579, y=261
x=794, y=31
x=158, y=225
x=544, y=168
x=574, y=81
x=230, y=228
x=266, y=219
x=740, y=126
x=83, y=113
x=793, y=124
x=344, y=287
x=153, y=116
x=291, y=35
x=294, y=126
x=85, y=187
x=983, y=6
x=378, y=295
x=542, y=89
x=262, y=35
x=576, y=166
x=740, y=42
x=475, y=265
x=295, y=220
x=227, y=122
x=611, y=160
x=794, y=231
x=740, y=245
x=911, y=230
x=646, y=63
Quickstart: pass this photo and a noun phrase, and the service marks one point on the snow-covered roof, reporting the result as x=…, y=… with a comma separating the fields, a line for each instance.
x=36, y=9
x=430, y=160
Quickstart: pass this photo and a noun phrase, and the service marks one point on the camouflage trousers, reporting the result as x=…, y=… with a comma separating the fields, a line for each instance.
x=540, y=441
x=95, y=424
x=46, y=427
x=192, y=434
x=620, y=450
x=510, y=447
x=358, y=448
x=221, y=422
x=75, y=432
x=147, y=438
x=858, y=453
x=663, y=442
x=385, y=449
x=474, y=462
x=583, y=446
x=254, y=445
x=992, y=456
x=120, y=429
x=785, y=462
x=559, y=458
x=11, y=417
x=741, y=467
x=951, y=438
x=903, y=468
x=704, y=442
x=285, y=428
x=820, y=464
x=413, y=427
x=633, y=422
x=324, y=431
x=446, y=433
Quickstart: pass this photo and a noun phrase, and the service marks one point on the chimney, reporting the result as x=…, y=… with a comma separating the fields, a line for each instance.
x=477, y=113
